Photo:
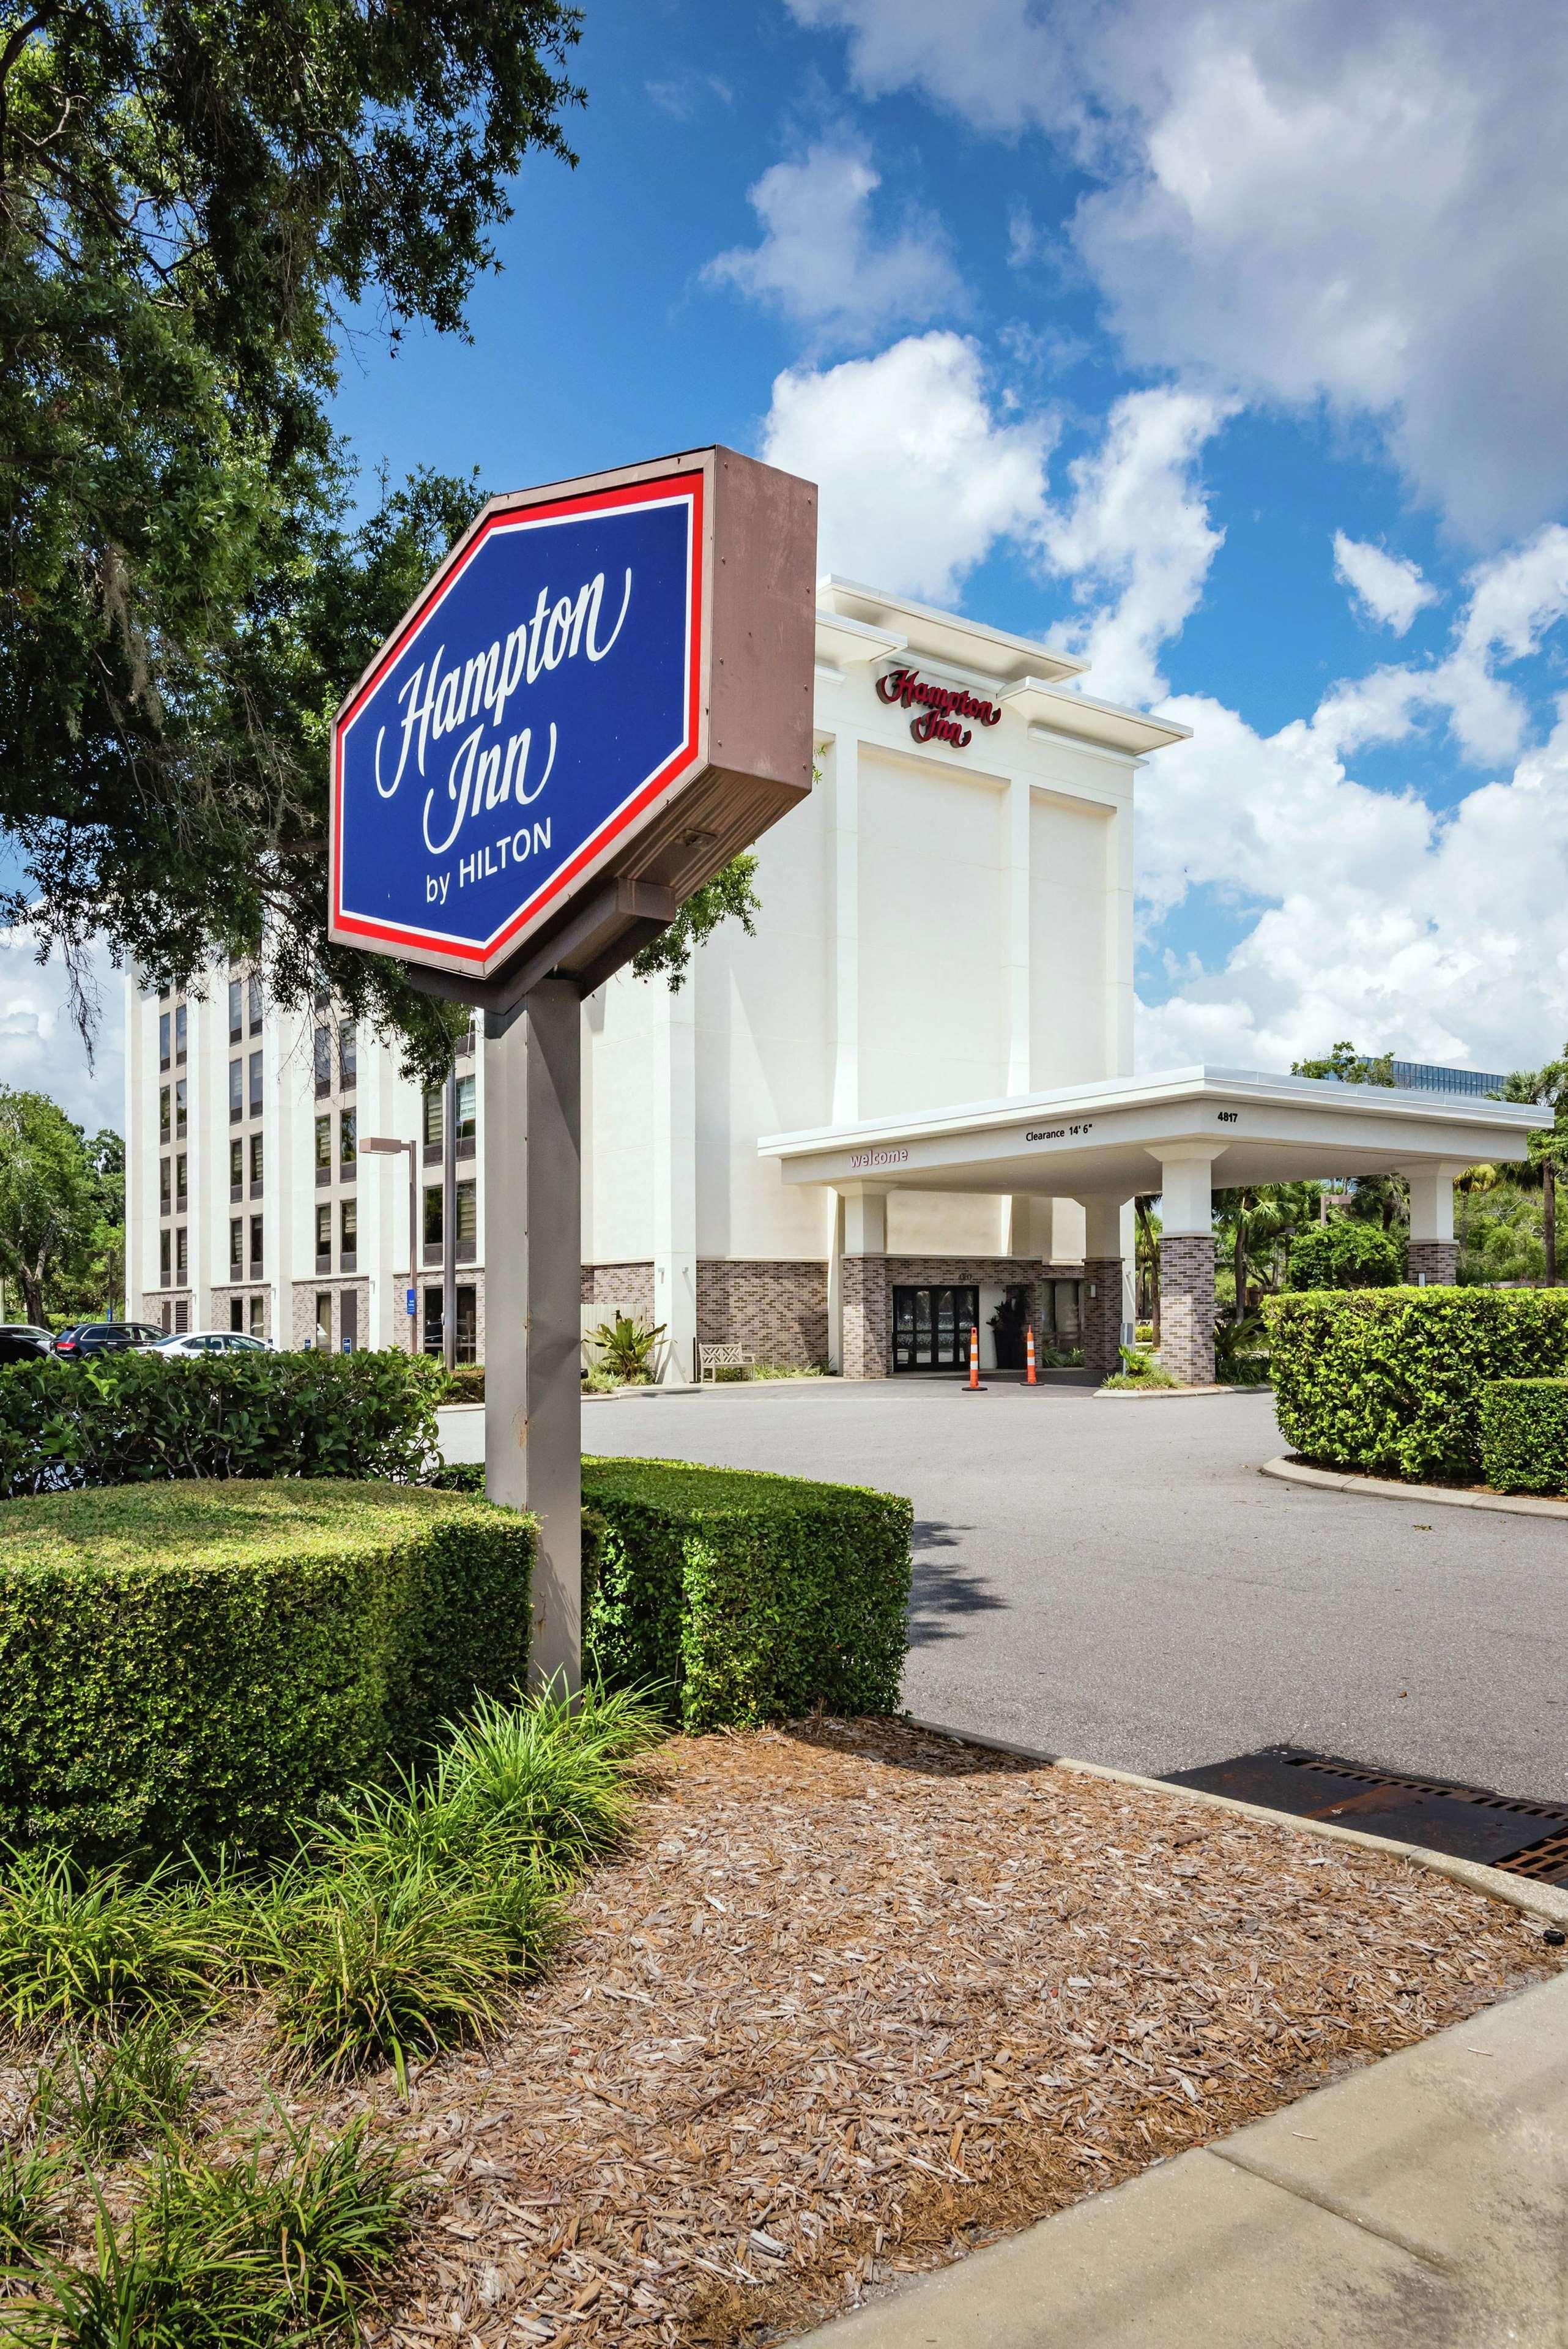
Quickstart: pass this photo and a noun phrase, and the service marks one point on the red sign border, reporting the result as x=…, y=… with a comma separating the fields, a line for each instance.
x=424, y=944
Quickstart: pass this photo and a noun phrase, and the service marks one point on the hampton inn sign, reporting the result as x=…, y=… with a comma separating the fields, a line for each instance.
x=939, y=708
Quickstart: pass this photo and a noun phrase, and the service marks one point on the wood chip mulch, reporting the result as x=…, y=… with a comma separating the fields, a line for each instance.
x=861, y=1998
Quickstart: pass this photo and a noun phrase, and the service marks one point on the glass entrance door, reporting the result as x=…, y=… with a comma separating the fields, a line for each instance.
x=931, y=1328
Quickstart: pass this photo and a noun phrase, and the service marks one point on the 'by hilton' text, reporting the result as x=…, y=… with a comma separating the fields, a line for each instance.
x=941, y=708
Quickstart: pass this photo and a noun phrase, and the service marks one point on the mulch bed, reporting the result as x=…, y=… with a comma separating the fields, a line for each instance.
x=863, y=1997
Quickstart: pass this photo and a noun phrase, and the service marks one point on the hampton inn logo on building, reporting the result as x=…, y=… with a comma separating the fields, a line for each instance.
x=941, y=708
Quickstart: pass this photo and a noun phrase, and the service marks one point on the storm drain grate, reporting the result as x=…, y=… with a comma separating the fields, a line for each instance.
x=1468, y=1822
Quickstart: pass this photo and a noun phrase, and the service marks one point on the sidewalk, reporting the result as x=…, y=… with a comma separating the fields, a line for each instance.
x=1421, y=2203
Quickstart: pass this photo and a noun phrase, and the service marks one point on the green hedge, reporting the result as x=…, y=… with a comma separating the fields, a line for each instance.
x=152, y=1416
x=189, y=1663
x=1525, y=1435
x=1346, y=1253
x=1390, y=1380
x=754, y=1597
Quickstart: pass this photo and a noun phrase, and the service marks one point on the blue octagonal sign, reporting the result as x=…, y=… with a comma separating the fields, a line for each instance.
x=537, y=704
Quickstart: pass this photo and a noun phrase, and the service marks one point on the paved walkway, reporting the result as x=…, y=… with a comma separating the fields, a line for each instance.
x=1115, y=1581
x=1419, y=2204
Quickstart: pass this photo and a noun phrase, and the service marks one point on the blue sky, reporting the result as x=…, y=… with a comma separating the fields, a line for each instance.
x=1222, y=347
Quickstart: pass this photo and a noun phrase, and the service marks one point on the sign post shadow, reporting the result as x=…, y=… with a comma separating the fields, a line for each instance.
x=603, y=695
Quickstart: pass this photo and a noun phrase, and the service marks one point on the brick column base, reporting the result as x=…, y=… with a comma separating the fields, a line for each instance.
x=1101, y=1332
x=1439, y=1260
x=1187, y=1306
x=866, y=1306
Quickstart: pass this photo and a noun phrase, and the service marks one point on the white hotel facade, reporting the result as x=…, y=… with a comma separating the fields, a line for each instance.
x=799, y=1149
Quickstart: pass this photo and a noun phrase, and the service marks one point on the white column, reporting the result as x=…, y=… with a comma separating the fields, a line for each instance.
x=533, y=1409
x=1019, y=1055
x=865, y=1220
x=1030, y=1227
x=836, y=1284
x=844, y=845
x=1186, y=1180
x=674, y=1184
x=1432, y=1199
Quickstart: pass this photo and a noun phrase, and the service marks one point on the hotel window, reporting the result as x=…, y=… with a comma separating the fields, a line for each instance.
x=467, y=1116
x=348, y=1141
x=255, y=1085
x=347, y=1056
x=181, y=1182
x=258, y=1317
x=432, y=1221
x=182, y=1253
x=165, y=1185
x=348, y=1323
x=324, y=1236
x=236, y=1010
x=163, y=1040
x=347, y=1234
x=324, y=1150
x=253, y=991
x=465, y=1348
x=180, y=1031
x=165, y=1241
x=432, y=1342
x=236, y=1169
x=182, y=1316
x=323, y=1050
x=257, y=1162
x=236, y=1313
x=236, y=1092
x=180, y=1109
x=468, y=1222
x=431, y=1126
x=324, y=1320
x=255, y=1247
x=163, y=1114
x=236, y=1247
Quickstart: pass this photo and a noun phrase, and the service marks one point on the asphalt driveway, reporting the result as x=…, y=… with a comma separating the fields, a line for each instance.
x=1115, y=1581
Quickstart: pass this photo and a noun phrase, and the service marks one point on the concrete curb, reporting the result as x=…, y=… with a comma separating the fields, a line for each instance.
x=1548, y=1902
x=1170, y=1394
x=1386, y=1488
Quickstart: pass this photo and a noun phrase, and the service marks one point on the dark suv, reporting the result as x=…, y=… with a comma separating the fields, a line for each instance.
x=20, y=1341
x=88, y=1338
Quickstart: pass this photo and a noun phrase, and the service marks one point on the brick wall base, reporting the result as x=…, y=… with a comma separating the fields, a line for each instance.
x=867, y=1318
x=1102, y=1315
x=1438, y=1259
x=776, y=1308
x=620, y=1288
x=1187, y=1306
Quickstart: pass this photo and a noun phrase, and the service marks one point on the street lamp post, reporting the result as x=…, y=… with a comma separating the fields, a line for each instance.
x=383, y=1145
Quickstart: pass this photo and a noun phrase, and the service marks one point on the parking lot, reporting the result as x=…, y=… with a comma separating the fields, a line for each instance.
x=1114, y=1580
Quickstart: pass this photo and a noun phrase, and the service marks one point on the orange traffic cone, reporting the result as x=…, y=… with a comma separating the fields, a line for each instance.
x=1029, y=1378
x=971, y=1383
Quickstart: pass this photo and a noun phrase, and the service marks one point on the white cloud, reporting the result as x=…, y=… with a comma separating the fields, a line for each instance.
x=1389, y=590
x=1302, y=199
x=822, y=263
x=685, y=98
x=919, y=480
x=1138, y=529
x=40, y=1049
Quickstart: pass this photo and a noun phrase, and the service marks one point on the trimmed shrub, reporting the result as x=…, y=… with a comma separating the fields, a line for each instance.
x=751, y=1597
x=1390, y=1380
x=465, y=1385
x=1346, y=1253
x=146, y=1417
x=188, y=1663
x=1524, y=1434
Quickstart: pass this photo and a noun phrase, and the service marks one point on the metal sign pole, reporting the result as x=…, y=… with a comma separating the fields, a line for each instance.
x=449, y=1219
x=534, y=1281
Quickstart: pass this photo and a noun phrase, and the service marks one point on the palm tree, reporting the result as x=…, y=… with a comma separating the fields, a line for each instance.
x=1259, y=1216
x=1548, y=1087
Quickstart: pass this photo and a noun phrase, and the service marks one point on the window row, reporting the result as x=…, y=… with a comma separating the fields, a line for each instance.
x=468, y=1231
x=466, y=1339
x=248, y=1313
x=173, y=1257
x=238, y=1070
x=347, y=1314
x=347, y=1235
x=243, y=1154
x=466, y=1124
x=244, y=998
x=237, y=1247
x=348, y=1145
x=178, y=1105
x=347, y=1058
x=177, y=1017
x=173, y=1186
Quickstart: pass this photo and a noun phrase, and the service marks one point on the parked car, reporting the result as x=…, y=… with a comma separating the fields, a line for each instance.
x=209, y=1341
x=23, y=1344
x=84, y=1338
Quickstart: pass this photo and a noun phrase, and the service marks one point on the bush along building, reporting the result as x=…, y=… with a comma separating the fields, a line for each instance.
x=904, y=1109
